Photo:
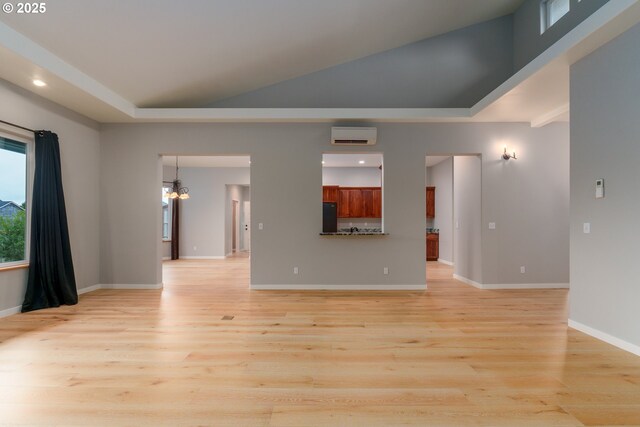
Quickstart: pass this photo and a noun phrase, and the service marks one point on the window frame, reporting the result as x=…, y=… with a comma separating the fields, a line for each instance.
x=545, y=15
x=166, y=184
x=29, y=143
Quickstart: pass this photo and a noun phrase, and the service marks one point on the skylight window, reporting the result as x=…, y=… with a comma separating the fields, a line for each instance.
x=551, y=11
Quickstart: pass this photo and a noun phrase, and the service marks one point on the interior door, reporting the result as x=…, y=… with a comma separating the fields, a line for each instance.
x=246, y=225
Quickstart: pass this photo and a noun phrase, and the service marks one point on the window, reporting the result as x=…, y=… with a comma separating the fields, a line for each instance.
x=13, y=201
x=551, y=11
x=166, y=212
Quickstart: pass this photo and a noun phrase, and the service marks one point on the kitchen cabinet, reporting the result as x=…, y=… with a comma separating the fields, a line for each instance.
x=433, y=246
x=431, y=202
x=330, y=193
x=359, y=202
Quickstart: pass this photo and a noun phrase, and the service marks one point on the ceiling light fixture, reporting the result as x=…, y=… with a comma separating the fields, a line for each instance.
x=361, y=162
x=39, y=83
x=177, y=192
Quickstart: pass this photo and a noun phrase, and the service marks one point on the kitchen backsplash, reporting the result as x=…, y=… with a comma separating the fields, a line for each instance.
x=359, y=222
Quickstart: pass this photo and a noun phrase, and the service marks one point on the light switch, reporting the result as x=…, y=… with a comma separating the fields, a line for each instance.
x=586, y=228
x=492, y=226
x=457, y=224
x=600, y=188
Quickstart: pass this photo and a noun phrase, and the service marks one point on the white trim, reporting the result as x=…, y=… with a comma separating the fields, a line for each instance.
x=166, y=258
x=467, y=281
x=202, y=257
x=603, y=336
x=10, y=311
x=550, y=116
x=132, y=286
x=312, y=287
x=525, y=286
x=89, y=289
x=443, y=261
x=495, y=286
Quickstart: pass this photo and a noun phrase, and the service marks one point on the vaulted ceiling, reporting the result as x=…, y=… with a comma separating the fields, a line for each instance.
x=167, y=53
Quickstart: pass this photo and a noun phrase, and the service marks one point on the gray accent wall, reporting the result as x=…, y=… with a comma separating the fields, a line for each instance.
x=528, y=43
x=605, y=100
x=79, y=150
x=528, y=198
x=456, y=69
x=467, y=223
x=442, y=179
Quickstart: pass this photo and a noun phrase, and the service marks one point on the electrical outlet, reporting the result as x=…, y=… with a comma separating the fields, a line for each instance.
x=492, y=226
x=195, y=248
x=385, y=270
x=260, y=226
x=586, y=228
x=523, y=270
x=295, y=270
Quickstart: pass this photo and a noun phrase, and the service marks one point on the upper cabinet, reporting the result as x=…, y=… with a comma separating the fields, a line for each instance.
x=330, y=193
x=358, y=202
x=431, y=202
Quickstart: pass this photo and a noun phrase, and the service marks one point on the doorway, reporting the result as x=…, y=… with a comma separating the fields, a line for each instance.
x=453, y=217
x=234, y=226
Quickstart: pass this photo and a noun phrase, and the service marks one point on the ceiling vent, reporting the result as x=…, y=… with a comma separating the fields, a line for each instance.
x=353, y=136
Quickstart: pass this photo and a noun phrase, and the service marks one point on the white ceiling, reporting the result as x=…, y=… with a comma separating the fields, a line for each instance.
x=168, y=53
x=208, y=161
x=352, y=160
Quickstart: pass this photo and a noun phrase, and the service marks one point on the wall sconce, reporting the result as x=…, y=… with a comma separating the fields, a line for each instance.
x=508, y=156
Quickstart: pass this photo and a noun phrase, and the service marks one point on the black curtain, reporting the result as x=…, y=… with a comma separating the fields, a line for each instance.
x=51, y=281
x=175, y=224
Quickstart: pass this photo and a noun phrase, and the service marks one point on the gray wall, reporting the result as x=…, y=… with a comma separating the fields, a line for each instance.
x=456, y=69
x=205, y=218
x=286, y=176
x=79, y=148
x=467, y=208
x=442, y=179
x=352, y=177
x=528, y=43
x=604, y=144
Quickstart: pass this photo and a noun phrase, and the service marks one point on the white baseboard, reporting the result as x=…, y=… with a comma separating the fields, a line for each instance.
x=202, y=257
x=10, y=311
x=497, y=286
x=131, y=286
x=525, y=286
x=445, y=261
x=166, y=258
x=312, y=287
x=89, y=289
x=467, y=281
x=603, y=336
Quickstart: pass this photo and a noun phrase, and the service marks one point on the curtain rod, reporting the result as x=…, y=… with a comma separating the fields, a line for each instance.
x=17, y=126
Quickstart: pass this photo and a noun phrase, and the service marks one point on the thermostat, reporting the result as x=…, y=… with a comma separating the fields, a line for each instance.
x=599, y=188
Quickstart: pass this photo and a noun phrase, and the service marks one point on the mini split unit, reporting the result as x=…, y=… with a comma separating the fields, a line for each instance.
x=353, y=136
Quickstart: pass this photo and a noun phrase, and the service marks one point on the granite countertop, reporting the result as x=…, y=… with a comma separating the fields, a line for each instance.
x=355, y=233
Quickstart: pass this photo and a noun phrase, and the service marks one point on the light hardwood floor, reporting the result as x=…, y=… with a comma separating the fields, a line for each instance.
x=453, y=355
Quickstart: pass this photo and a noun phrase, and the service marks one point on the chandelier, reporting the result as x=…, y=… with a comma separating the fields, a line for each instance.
x=178, y=191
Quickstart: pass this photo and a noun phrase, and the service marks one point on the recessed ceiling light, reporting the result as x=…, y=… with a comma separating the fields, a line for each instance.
x=39, y=83
x=361, y=162
x=323, y=162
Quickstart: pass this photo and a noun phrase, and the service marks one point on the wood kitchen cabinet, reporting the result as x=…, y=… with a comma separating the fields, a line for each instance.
x=433, y=246
x=330, y=193
x=431, y=202
x=359, y=202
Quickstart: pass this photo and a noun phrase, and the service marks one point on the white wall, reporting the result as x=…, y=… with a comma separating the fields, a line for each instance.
x=286, y=176
x=605, y=100
x=467, y=208
x=79, y=150
x=352, y=177
x=442, y=178
x=203, y=217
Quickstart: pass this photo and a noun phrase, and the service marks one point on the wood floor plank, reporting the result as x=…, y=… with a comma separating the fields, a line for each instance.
x=208, y=351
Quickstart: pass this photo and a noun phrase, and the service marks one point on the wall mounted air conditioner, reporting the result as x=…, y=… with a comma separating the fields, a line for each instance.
x=353, y=136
